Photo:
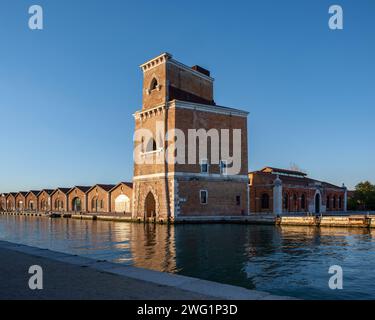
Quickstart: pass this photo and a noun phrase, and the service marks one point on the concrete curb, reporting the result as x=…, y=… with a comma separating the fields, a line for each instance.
x=209, y=288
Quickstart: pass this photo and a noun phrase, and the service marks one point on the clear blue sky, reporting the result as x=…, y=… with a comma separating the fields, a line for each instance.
x=67, y=93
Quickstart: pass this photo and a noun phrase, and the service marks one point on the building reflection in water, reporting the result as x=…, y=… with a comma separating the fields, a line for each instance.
x=153, y=247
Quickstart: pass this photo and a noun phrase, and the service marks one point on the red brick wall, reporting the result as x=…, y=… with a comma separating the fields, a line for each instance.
x=121, y=189
x=59, y=196
x=76, y=193
x=102, y=196
x=44, y=197
x=221, y=198
x=31, y=198
x=20, y=202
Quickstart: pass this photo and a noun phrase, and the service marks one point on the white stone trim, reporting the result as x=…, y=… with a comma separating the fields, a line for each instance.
x=213, y=176
x=155, y=61
x=176, y=104
x=208, y=108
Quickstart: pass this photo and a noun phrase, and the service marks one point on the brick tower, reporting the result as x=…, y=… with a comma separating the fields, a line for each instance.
x=178, y=107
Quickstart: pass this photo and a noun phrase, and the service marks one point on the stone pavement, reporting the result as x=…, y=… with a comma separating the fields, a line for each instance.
x=72, y=277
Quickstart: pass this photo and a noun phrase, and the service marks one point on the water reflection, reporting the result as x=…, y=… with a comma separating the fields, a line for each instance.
x=282, y=260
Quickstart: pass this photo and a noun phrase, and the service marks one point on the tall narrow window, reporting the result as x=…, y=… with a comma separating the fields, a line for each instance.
x=334, y=202
x=204, y=196
x=328, y=202
x=295, y=200
x=238, y=200
x=223, y=167
x=265, y=201
x=303, y=202
x=340, y=202
x=204, y=166
x=286, y=201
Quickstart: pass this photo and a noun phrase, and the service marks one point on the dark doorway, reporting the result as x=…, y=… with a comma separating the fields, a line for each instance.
x=77, y=205
x=150, y=206
x=317, y=203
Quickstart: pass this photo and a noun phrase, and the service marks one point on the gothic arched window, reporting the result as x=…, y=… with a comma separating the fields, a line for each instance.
x=151, y=145
x=154, y=84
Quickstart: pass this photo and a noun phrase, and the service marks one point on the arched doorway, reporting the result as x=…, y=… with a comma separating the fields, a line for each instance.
x=150, y=206
x=77, y=204
x=317, y=203
x=95, y=204
x=43, y=205
x=122, y=203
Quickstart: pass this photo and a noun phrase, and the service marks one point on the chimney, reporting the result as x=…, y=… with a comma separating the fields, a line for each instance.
x=201, y=70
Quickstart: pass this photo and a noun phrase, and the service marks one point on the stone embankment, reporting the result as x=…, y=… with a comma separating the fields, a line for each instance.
x=354, y=221
x=351, y=221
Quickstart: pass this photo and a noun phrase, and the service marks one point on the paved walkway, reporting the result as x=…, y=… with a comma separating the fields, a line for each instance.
x=72, y=277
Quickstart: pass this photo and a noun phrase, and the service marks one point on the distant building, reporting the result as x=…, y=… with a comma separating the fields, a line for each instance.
x=11, y=201
x=288, y=191
x=44, y=200
x=98, y=198
x=59, y=199
x=31, y=200
x=3, y=202
x=77, y=199
x=20, y=200
x=121, y=198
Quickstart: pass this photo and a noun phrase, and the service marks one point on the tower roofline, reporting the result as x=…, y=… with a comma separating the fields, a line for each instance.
x=155, y=61
x=167, y=57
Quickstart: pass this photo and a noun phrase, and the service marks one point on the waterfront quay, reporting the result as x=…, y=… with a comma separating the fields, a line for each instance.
x=349, y=220
x=72, y=277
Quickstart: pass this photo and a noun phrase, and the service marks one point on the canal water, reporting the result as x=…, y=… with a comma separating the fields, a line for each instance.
x=291, y=261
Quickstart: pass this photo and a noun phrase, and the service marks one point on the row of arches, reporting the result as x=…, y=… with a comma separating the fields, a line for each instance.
x=298, y=202
x=294, y=203
x=334, y=202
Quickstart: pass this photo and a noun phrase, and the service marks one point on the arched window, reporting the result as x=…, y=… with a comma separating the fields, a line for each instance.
x=340, y=202
x=154, y=84
x=151, y=145
x=286, y=201
x=328, y=202
x=303, y=202
x=265, y=201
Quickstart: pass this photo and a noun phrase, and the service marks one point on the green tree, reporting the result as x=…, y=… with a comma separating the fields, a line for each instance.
x=364, y=196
